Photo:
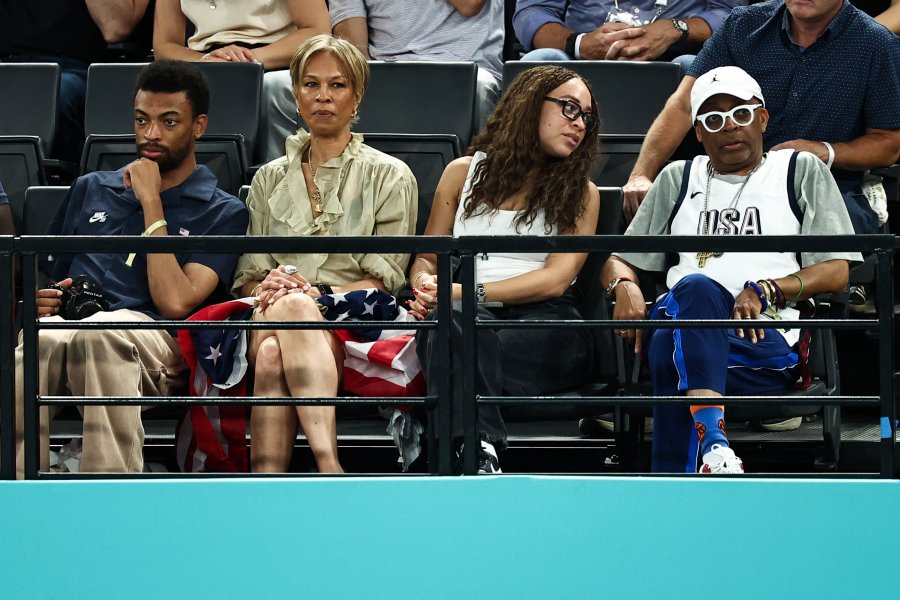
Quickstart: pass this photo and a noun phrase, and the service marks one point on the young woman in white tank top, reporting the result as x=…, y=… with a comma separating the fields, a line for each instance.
x=526, y=174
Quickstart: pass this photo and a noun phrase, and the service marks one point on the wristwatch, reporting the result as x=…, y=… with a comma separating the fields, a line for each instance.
x=682, y=27
x=611, y=288
x=324, y=289
x=480, y=294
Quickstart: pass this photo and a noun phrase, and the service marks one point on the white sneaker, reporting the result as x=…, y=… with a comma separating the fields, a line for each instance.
x=721, y=459
x=488, y=463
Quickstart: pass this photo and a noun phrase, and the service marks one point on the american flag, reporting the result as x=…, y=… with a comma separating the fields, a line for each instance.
x=377, y=363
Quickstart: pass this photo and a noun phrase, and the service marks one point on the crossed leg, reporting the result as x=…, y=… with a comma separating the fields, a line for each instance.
x=295, y=363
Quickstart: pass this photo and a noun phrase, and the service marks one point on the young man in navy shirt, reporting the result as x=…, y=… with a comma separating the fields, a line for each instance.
x=163, y=192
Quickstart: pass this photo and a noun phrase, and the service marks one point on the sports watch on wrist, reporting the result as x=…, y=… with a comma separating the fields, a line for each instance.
x=682, y=28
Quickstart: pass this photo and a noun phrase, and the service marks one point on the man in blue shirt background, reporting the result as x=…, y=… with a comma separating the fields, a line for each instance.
x=163, y=192
x=604, y=29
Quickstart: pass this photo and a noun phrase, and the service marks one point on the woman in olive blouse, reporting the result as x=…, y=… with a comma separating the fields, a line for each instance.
x=329, y=183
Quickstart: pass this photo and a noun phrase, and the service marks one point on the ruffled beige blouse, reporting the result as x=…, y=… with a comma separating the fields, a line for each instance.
x=364, y=192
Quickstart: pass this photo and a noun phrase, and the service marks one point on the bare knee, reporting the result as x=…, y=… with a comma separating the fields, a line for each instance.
x=294, y=307
x=268, y=360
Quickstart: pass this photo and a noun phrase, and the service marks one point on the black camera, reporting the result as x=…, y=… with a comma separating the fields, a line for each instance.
x=81, y=299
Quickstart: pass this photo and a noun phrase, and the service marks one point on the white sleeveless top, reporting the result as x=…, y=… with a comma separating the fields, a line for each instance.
x=764, y=208
x=501, y=265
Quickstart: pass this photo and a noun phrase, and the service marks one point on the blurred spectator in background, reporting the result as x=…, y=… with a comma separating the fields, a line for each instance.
x=73, y=35
x=608, y=30
x=263, y=31
x=6, y=221
x=438, y=30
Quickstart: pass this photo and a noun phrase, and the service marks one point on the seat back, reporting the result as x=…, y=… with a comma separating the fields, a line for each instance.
x=28, y=105
x=594, y=305
x=28, y=102
x=222, y=154
x=20, y=168
x=420, y=97
x=244, y=193
x=426, y=155
x=41, y=205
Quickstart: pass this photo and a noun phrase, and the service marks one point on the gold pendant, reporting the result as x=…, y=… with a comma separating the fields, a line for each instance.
x=317, y=200
x=702, y=257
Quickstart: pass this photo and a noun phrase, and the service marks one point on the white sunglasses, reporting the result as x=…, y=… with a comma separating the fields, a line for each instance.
x=742, y=116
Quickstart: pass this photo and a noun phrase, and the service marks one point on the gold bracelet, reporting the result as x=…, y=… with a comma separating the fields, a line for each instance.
x=153, y=227
x=257, y=290
x=147, y=233
x=800, y=291
x=416, y=278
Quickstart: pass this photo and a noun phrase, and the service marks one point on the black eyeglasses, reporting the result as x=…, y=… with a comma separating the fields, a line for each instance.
x=572, y=111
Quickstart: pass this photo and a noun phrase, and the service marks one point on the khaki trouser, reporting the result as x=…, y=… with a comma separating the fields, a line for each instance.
x=127, y=362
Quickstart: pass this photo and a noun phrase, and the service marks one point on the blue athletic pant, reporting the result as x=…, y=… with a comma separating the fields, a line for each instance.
x=715, y=358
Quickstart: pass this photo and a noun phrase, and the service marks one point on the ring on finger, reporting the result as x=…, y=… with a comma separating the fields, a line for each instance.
x=291, y=269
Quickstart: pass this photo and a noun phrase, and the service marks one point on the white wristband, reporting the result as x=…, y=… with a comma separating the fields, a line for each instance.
x=830, y=155
x=578, y=46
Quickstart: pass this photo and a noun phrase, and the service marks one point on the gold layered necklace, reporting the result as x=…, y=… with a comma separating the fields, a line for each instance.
x=316, y=195
x=702, y=257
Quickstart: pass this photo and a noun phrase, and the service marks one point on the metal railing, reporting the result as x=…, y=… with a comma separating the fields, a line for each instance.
x=28, y=248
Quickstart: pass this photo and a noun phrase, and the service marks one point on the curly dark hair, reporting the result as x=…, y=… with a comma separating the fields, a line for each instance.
x=514, y=160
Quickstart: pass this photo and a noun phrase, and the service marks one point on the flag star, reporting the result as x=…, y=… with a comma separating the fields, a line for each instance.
x=370, y=291
x=338, y=298
x=343, y=316
x=214, y=354
x=369, y=309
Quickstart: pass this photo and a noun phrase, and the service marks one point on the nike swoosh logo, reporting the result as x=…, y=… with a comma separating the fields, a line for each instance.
x=93, y=219
x=695, y=194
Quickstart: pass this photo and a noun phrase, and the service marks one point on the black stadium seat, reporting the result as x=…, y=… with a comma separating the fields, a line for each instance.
x=426, y=156
x=27, y=126
x=230, y=139
x=629, y=95
x=41, y=204
x=420, y=97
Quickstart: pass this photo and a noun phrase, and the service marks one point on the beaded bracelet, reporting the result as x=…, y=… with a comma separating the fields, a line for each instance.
x=759, y=292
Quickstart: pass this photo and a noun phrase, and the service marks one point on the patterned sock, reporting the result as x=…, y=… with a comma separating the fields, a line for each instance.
x=710, y=423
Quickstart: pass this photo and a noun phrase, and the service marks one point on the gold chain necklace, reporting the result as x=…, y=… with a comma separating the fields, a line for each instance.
x=317, y=196
x=702, y=257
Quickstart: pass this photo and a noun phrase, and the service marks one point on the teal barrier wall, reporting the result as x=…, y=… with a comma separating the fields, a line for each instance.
x=412, y=537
